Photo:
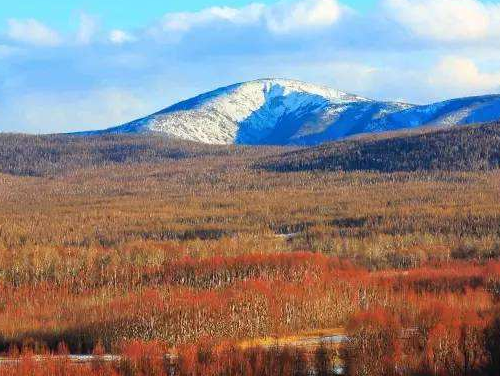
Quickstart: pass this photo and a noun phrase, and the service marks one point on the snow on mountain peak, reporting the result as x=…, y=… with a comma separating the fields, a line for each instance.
x=281, y=111
x=242, y=113
x=285, y=87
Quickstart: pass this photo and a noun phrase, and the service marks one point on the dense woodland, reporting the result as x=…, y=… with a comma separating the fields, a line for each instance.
x=56, y=154
x=470, y=148
x=175, y=255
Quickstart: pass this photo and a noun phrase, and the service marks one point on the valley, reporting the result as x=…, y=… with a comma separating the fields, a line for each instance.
x=140, y=246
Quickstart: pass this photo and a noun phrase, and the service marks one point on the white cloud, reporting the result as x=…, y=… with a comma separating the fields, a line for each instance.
x=88, y=28
x=444, y=78
x=187, y=20
x=461, y=76
x=33, y=32
x=66, y=112
x=446, y=20
x=352, y=76
x=120, y=37
x=285, y=17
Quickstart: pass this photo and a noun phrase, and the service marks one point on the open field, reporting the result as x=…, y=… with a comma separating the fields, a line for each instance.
x=180, y=248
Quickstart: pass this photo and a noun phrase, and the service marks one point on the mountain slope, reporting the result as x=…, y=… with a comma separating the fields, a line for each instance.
x=467, y=148
x=268, y=111
x=461, y=111
x=287, y=112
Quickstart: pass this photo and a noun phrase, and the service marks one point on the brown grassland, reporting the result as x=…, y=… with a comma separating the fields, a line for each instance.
x=143, y=247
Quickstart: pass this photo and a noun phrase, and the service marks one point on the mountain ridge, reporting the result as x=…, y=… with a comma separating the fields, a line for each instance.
x=275, y=111
x=467, y=148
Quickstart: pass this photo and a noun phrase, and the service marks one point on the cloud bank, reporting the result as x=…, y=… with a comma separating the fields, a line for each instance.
x=446, y=20
x=413, y=50
x=32, y=32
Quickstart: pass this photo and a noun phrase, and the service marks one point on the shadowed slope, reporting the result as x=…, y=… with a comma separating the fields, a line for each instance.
x=465, y=148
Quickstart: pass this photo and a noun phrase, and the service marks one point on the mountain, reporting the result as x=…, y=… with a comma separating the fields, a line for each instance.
x=288, y=112
x=467, y=148
x=462, y=111
x=268, y=111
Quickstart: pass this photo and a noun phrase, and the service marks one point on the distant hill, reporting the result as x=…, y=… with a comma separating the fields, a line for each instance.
x=467, y=148
x=53, y=154
x=288, y=112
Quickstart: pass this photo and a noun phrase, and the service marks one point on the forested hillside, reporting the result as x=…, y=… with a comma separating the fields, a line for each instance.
x=466, y=148
x=177, y=257
x=55, y=154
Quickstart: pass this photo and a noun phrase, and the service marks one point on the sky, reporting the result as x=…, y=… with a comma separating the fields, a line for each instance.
x=68, y=65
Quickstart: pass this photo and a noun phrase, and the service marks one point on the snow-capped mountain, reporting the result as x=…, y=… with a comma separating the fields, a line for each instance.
x=282, y=112
x=459, y=111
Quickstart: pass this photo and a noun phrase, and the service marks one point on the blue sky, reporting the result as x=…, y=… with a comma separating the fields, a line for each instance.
x=121, y=13
x=118, y=13
x=70, y=65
